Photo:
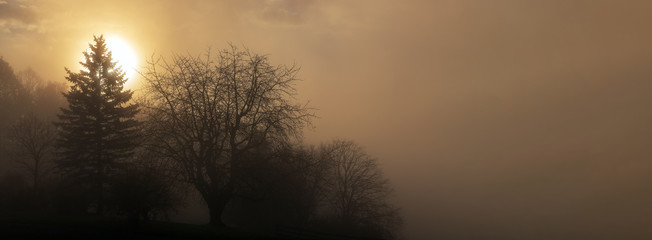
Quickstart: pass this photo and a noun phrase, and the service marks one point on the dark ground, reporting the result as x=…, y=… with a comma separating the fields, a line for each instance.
x=52, y=226
x=94, y=227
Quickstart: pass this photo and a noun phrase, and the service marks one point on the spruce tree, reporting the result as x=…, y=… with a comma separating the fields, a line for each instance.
x=98, y=129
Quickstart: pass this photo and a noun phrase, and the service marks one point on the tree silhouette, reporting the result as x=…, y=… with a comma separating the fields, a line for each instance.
x=98, y=128
x=358, y=191
x=12, y=104
x=290, y=179
x=12, y=93
x=43, y=97
x=34, y=139
x=142, y=191
x=208, y=113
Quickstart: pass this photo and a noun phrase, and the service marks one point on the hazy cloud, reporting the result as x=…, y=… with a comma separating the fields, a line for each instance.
x=17, y=16
x=313, y=15
x=284, y=11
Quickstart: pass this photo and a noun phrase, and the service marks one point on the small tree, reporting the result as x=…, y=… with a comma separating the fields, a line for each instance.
x=98, y=128
x=34, y=141
x=358, y=191
x=208, y=113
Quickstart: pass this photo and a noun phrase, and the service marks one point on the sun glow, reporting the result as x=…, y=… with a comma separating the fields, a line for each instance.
x=124, y=55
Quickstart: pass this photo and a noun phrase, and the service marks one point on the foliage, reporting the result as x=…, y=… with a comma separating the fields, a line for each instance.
x=98, y=128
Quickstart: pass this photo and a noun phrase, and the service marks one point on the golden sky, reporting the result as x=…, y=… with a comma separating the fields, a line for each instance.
x=503, y=118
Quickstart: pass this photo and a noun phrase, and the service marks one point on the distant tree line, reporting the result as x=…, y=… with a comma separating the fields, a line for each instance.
x=28, y=105
x=226, y=123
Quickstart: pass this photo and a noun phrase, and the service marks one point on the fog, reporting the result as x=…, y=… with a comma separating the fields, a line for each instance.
x=492, y=119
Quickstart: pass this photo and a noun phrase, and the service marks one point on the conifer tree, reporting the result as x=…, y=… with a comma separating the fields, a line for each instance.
x=98, y=129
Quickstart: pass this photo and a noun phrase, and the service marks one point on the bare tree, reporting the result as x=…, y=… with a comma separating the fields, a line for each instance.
x=34, y=139
x=208, y=112
x=359, y=193
x=12, y=104
x=31, y=81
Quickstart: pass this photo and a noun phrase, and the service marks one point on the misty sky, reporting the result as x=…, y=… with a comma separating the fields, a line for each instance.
x=493, y=119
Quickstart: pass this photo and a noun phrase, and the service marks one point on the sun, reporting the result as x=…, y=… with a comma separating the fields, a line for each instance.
x=124, y=55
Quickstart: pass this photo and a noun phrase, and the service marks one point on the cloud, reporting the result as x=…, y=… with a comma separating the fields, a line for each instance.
x=17, y=16
x=315, y=15
x=17, y=10
x=283, y=12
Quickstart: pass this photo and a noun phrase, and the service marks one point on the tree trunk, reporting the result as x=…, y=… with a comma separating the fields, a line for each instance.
x=216, y=207
x=36, y=162
x=100, y=199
